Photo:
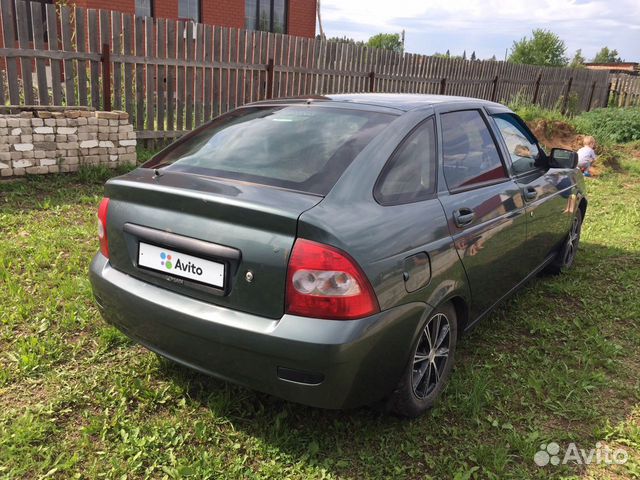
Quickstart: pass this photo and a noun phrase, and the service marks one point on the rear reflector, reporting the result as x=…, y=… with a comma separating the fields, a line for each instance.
x=324, y=282
x=102, y=226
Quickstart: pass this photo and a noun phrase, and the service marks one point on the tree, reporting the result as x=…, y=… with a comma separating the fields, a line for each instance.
x=473, y=55
x=543, y=48
x=607, y=56
x=578, y=60
x=387, y=41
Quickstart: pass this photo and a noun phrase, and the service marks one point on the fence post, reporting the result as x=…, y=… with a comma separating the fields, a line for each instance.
x=606, y=100
x=536, y=90
x=494, y=90
x=372, y=81
x=106, y=77
x=565, y=99
x=443, y=86
x=269, y=86
x=593, y=88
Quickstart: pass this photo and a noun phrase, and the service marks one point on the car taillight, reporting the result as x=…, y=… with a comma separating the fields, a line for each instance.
x=324, y=282
x=102, y=226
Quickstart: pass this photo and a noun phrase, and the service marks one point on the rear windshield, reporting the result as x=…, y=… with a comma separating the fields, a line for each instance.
x=303, y=148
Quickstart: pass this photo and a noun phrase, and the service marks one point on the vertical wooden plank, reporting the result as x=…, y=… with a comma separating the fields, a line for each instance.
x=233, y=72
x=128, y=33
x=94, y=66
x=161, y=53
x=266, y=53
x=116, y=41
x=2, y=95
x=8, y=23
x=105, y=37
x=140, y=84
x=38, y=44
x=240, y=73
x=253, y=56
x=23, y=41
x=240, y=53
x=208, y=72
x=224, y=72
x=198, y=81
x=69, y=75
x=217, y=38
x=150, y=74
x=189, y=80
x=181, y=36
x=171, y=74
x=81, y=46
x=52, y=36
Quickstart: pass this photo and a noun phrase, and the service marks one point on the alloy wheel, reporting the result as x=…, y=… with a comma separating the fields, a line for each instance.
x=572, y=241
x=431, y=355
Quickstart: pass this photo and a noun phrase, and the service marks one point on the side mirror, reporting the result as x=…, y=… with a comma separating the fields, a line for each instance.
x=561, y=158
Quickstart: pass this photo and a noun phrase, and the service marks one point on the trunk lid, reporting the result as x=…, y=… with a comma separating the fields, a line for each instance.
x=245, y=227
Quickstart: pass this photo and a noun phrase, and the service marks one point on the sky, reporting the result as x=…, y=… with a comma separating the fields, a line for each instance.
x=489, y=27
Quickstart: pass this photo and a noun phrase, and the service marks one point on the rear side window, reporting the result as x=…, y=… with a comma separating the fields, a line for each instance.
x=305, y=148
x=470, y=155
x=409, y=176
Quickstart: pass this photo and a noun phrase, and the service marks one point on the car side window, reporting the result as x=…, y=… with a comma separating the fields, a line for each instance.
x=409, y=176
x=470, y=155
x=523, y=149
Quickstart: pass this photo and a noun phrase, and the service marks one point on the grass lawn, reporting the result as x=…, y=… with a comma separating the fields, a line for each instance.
x=559, y=362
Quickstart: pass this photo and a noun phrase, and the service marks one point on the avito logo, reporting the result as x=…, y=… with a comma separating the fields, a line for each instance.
x=185, y=267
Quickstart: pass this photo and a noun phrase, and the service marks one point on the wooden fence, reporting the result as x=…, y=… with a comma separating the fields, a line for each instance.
x=172, y=76
x=625, y=91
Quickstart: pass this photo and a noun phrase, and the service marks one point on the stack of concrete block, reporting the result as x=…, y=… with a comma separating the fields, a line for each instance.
x=52, y=142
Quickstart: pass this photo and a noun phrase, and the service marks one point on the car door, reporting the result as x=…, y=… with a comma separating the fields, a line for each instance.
x=483, y=205
x=547, y=192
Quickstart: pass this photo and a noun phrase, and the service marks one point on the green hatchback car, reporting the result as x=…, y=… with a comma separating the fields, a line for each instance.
x=331, y=250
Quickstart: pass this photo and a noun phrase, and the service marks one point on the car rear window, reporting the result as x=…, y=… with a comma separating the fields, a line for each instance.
x=302, y=147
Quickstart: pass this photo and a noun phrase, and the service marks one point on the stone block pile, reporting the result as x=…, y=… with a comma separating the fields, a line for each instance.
x=52, y=142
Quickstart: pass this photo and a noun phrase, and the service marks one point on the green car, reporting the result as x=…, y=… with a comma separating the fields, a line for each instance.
x=332, y=250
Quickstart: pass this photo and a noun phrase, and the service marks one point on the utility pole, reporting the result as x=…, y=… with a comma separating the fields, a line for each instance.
x=319, y=19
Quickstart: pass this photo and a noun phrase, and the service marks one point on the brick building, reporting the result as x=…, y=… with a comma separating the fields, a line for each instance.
x=294, y=17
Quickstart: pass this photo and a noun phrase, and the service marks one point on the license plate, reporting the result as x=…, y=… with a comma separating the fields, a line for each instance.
x=181, y=265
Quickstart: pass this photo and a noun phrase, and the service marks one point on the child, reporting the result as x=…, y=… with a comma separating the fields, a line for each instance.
x=587, y=155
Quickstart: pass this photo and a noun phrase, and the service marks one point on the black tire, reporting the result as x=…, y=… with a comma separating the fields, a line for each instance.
x=427, y=371
x=566, y=255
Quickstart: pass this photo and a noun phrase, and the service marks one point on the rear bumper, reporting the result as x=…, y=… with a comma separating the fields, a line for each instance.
x=337, y=364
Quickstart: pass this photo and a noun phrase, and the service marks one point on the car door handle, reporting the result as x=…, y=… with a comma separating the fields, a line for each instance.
x=530, y=193
x=463, y=216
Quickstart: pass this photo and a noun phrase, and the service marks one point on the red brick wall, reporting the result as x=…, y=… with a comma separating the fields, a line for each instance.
x=227, y=13
x=302, y=18
x=128, y=6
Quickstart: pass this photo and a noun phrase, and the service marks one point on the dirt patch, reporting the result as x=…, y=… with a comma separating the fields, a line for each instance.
x=556, y=134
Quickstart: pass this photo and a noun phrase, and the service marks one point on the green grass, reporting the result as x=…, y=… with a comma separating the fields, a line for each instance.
x=558, y=362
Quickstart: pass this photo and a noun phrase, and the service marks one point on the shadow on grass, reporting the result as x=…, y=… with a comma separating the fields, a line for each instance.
x=527, y=374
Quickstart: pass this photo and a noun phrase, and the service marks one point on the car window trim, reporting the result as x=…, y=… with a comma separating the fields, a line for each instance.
x=475, y=186
x=434, y=191
x=483, y=115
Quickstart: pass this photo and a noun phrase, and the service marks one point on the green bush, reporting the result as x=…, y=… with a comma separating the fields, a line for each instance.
x=610, y=125
x=530, y=112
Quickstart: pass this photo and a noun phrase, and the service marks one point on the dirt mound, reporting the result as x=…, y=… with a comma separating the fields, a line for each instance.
x=556, y=134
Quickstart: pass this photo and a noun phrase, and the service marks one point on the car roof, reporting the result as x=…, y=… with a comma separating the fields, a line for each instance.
x=397, y=101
